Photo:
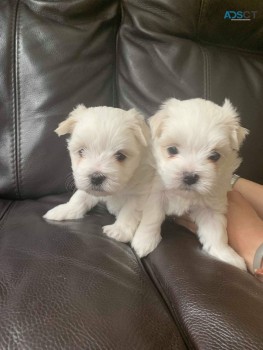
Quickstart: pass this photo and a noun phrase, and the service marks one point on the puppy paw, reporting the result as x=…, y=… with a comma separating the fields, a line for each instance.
x=62, y=212
x=119, y=232
x=228, y=255
x=145, y=243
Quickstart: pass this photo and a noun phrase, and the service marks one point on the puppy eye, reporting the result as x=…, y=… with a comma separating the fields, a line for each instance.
x=172, y=150
x=214, y=156
x=81, y=152
x=119, y=156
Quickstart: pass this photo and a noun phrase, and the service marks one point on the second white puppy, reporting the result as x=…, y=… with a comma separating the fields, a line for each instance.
x=196, y=145
x=110, y=163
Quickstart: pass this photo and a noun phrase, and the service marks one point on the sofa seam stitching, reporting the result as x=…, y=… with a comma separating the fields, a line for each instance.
x=202, y=5
x=206, y=75
x=14, y=121
x=114, y=61
x=117, y=55
x=19, y=148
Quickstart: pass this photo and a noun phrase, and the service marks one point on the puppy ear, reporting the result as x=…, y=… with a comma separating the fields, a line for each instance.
x=156, y=121
x=238, y=133
x=156, y=124
x=68, y=125
x=238, y=136
x=140, y=127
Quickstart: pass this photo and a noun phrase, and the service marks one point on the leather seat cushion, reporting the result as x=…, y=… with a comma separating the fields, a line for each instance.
x=64, y=285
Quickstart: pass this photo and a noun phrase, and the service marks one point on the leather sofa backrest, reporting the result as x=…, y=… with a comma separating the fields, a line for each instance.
x=134, y=53
x=187, y=49
x=53, y=56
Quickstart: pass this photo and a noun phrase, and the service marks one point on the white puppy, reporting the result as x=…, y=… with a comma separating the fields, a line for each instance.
x=109, y=156
x=195, y=143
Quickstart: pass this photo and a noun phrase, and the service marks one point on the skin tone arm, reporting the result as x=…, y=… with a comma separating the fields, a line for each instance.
x=252, y=192
x=244, y=219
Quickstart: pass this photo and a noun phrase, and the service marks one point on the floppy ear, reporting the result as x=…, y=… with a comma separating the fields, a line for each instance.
x=156, y=123
x=238, y=136
x=238, y=133
x=140, y=127
x=68, y=125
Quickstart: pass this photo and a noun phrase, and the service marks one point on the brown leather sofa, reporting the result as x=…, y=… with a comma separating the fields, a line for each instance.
x=65, y=285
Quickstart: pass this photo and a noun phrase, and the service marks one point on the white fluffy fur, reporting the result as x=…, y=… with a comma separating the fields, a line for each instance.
x=197, y=128
x=97, y=135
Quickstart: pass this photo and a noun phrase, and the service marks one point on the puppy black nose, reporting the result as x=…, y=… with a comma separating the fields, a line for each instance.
x=190, y=178
x=97, y=179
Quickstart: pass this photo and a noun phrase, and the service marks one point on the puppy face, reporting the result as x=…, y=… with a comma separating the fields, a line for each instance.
x=195, y=144
x=106, y=147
